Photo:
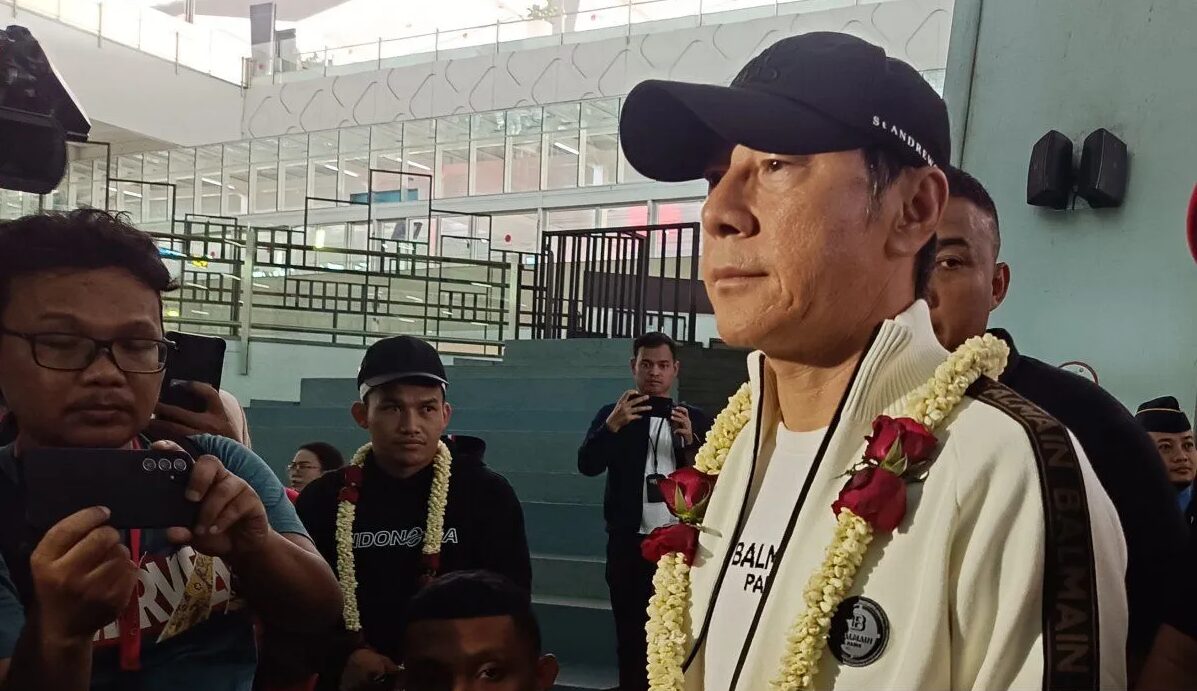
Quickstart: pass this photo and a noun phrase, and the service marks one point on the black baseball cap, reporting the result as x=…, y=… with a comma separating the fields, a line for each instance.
x=814, y=93
x=399, y=357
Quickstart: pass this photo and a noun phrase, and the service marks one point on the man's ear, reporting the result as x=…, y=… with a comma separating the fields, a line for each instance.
x=1001, y=285
x=924, y=198
x=360, y=413
x=448, y=410
x=547, y=670
x=632, y=364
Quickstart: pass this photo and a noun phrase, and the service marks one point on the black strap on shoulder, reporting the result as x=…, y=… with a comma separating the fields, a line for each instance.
x=1070, y=624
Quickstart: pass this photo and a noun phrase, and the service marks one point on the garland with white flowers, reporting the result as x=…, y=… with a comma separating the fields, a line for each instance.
x=930, y=404
x=434, y=528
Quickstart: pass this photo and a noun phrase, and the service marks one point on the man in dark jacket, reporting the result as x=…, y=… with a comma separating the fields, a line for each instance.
x=391, y=489
x=636, y=444
x=969, y=282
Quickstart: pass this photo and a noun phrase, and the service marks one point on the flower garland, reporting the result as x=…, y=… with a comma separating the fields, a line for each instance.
x=899, y=451
x=430, y=562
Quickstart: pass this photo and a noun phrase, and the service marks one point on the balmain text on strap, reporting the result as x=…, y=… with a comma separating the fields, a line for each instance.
x=1070, y=626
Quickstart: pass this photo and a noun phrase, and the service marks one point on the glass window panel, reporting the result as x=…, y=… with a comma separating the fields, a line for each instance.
x=81, y=181
x=521, y=121
x=322, y=144
x=129, y=167
x=622, y=216
x=570, y=219
x=525, y=164
x=236, y=191
x=293, y=146
x=210, y=194
x=601, y=159
x=263, y=150
x=209, y=158
x=155, y=166
x=182, y=174
x=419, y=132
x=323, y=174
x=601, y=113
x=561, y=151
x=453, y=170
x=355, y=140
x=236, y=154
x=487, y=167
x=419, y=160
x=515, y=232
x=354, y=182
x=264, y=187
x=295, y=185
x=129, y=197
x=157, y=203
x=388, y=136
x=679, y=212
x=561, y=117
x=452, y=129
x=488, y=126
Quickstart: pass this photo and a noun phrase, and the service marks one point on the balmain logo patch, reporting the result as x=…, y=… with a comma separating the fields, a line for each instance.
x=859, y=632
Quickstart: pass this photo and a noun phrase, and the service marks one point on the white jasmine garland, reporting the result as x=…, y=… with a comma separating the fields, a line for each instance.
x=930, y=404
x=434, y=530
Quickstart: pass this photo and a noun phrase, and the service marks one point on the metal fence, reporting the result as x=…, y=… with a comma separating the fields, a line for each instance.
x=618, y=282
x=270, y=284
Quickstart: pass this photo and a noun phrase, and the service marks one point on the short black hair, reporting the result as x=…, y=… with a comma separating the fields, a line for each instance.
x=328, y=455
x=79, y=239
x=884, y=165
x=654, y=339
x=474, y=595
x=962, y=185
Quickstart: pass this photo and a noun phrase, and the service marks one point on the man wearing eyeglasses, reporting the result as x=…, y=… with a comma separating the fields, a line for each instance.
x=82, y=356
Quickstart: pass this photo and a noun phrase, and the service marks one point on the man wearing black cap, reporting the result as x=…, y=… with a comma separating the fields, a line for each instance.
x=823, y=159
x=375, y=520
x=1172, y=433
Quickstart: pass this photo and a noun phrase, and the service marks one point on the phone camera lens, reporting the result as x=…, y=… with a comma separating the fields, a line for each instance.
x=148, y=465
x=164, y=464
x=180, y=465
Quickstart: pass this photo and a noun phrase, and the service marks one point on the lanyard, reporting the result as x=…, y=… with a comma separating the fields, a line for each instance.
x=129, y=623
x=654, y=439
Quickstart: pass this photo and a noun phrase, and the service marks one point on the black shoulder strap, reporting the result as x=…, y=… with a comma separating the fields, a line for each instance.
x=1070, y=622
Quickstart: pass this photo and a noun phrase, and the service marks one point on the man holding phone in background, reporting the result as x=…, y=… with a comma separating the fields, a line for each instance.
x=637, y=440
x=82, y=356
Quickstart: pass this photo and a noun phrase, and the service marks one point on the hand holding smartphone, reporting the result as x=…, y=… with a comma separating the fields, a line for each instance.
x=195, y=358
x=141, y=488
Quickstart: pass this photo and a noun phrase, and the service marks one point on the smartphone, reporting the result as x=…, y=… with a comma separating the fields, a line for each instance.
x=661, y=406
x=194, y=358
x=143, y=488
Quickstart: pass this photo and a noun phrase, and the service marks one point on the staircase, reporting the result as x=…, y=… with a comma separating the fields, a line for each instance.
x=533, y=409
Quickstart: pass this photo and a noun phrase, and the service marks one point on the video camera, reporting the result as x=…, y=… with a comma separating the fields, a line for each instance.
x=38, y=116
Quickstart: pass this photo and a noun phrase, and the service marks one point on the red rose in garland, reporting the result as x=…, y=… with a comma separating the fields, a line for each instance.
x=898, y=452
x=876, y=495
x=678, y=537
x=686, y=493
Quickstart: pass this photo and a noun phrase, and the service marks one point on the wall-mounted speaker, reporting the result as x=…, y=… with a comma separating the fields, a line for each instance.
x=1103, y=174
x=1049, y=179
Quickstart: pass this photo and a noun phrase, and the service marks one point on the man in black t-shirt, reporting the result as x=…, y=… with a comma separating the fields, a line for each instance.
x=381, y=510
x=968, y=282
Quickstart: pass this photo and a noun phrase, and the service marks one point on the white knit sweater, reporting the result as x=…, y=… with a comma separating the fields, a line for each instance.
x=962, y=581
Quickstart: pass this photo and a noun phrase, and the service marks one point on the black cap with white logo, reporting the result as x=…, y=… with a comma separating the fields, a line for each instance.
x=808, y=94
x=396, y=358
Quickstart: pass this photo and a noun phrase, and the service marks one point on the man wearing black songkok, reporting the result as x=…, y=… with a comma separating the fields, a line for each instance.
x=1172, y=433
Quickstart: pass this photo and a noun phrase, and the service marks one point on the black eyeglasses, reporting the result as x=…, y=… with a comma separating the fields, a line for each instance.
x=72, y=352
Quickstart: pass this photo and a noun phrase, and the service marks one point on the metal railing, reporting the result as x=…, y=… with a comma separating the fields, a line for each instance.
x=198, y=48
x=618, y=282
x=551, y=29
x=256, y=283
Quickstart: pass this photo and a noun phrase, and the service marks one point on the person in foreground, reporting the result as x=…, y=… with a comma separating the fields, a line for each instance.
x=973, y=547
x=474, y=630
x=406, y=509
x=967, y=284
x=81, y=362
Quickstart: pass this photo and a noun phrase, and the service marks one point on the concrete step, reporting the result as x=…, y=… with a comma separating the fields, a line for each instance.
x=566, y=529
x=580, y=632
x=559, y=488
x=563, y=575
